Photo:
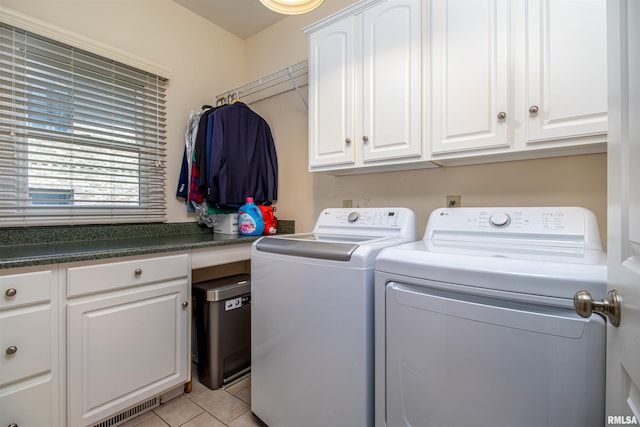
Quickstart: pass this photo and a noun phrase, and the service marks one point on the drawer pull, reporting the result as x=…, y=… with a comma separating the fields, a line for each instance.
x=12, y=349
x=138, y=272
x=11, y=292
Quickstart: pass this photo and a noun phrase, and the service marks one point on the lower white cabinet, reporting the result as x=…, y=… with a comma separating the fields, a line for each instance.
x=29, y=344
x=94, y=342
x=127, y=335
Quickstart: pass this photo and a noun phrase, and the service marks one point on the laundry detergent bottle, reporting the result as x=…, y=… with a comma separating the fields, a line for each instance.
x=250, y=222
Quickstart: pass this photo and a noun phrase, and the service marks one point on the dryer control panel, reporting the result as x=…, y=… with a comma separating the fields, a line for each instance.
x=571, y=226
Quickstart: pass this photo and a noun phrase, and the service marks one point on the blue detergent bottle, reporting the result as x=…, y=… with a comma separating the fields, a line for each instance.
x=250, y=222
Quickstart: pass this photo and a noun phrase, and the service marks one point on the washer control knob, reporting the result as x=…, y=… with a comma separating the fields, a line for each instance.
x=353, y=217
x=499, y=220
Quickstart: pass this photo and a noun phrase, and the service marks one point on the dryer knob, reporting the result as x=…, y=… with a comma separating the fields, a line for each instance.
x=500, y=220
x=353, y=217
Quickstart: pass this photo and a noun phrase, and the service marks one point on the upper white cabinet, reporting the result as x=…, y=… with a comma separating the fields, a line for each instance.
x=469, y=75
x=332, y=65
x=517, y=79
x=401, y=84
x=365, y=89
x=566, y=69
x=391, y=54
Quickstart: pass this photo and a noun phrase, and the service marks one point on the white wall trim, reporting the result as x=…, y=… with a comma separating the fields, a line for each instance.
x=28, y=23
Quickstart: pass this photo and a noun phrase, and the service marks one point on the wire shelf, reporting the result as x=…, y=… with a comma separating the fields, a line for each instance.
x=285, y=80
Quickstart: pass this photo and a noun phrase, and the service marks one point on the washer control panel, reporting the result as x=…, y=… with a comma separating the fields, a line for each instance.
x=364, y=217
x=369, y=221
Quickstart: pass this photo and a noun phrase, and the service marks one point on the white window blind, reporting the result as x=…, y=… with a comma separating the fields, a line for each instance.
x=82, y=137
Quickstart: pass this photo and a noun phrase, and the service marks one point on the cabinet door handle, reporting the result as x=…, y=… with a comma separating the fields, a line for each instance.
x=347, y=141
x=533, y=110
x=13, y=425
x=138, y=272
x=11, y=292
x=185, y=304
x=502, y=115
x=12, y=349
x=365, y=138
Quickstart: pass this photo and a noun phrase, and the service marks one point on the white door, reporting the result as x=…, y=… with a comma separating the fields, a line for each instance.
x=623, y=343
x=566, y=69
x=331, y=94
x=469, y=71
x=391, y=38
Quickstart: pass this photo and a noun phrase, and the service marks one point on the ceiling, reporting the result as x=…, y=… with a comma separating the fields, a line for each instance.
x=242, y=18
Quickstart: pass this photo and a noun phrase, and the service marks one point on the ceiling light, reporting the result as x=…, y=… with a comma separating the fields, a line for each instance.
x=292, y=7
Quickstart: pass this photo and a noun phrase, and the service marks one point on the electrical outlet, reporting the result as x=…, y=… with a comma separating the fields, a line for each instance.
x=347, y=203
x=454, y=201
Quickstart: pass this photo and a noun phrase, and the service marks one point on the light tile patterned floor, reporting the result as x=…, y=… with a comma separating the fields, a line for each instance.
x=203, y=408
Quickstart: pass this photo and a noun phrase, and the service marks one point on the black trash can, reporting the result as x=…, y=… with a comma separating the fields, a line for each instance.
x=223, y=329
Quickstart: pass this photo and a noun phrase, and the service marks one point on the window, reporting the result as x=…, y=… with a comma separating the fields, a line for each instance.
x=81, y=136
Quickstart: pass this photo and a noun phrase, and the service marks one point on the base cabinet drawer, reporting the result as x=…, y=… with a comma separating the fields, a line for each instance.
x=110, y=276
x=27, y=288
x=28, y=407
x=25, y=343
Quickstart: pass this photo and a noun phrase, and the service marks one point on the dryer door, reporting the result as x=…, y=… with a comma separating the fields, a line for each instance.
x=456, y=359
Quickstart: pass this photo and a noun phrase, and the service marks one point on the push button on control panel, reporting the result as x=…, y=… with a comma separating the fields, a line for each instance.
x=500, y=220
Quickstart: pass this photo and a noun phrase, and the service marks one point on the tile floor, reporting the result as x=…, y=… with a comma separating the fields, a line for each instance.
x=203, y=407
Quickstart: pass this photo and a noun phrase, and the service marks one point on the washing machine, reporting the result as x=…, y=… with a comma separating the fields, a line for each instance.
x=312, y=338
x=475, y=324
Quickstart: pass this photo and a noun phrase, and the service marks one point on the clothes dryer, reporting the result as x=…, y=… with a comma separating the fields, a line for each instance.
x=475, y=324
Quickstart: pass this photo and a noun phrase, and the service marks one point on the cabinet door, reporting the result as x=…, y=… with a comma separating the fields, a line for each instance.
x=391, y=91
x=331, y=94
x=567, y=68
x=469, y=67
x=124, y=348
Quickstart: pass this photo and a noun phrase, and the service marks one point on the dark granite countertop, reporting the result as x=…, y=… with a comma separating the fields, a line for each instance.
x=53, y=245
